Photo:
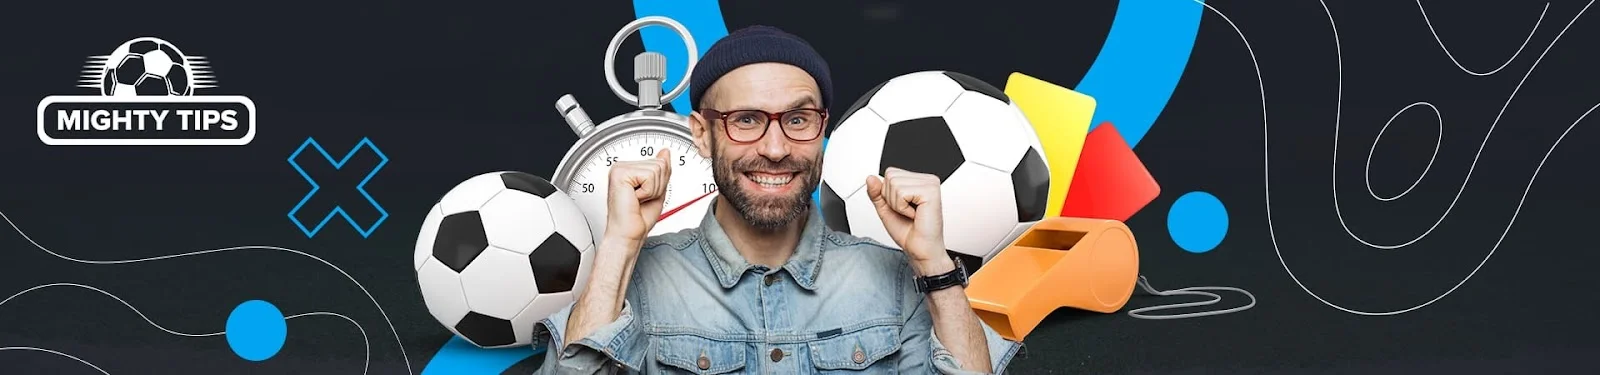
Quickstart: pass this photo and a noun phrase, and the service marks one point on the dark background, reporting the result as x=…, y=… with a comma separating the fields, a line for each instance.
x=448, y=91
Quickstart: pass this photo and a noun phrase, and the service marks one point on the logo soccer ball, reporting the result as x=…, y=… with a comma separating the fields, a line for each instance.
x=146, y=66
x=500, y=252
x=993, y=177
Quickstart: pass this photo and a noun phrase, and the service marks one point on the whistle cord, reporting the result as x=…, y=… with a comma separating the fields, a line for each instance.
x=1190, y=291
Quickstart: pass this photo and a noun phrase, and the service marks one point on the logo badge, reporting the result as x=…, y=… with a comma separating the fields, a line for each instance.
x=146, y=93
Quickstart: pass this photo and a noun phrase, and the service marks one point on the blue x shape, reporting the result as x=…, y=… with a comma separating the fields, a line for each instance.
x=360, y=187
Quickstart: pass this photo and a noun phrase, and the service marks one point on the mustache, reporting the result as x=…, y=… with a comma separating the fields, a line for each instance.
x=764, y=164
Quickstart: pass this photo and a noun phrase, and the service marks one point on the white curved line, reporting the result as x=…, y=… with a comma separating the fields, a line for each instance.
x=364, y=342
x=1453, y=56
x=119, y=299
x=1267, y=172
x=33, y=349
x=1437, y=143
x=404, y=357
x=1338, y=114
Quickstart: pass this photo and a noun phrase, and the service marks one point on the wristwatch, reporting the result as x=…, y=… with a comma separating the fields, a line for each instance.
x=957, y=276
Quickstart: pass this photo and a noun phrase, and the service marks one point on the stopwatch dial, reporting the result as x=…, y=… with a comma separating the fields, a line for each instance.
x=689, y=192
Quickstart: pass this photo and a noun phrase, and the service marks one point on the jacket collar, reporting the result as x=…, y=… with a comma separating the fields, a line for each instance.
x=729, y=265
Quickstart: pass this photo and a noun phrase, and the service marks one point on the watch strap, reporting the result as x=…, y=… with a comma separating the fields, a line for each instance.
x=931, y=283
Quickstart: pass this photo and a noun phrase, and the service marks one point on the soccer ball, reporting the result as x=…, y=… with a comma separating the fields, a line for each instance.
x=500, y=252
x=146, y=66
x=993, y=177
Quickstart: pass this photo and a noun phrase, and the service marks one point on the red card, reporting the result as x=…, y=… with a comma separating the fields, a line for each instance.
x=1110, y=182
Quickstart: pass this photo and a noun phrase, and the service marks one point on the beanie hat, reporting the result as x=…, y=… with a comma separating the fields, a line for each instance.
x=758, y=44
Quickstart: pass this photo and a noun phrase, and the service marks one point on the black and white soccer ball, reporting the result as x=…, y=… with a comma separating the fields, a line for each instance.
x=993, y=177
x=147, y=66
x=500, y=252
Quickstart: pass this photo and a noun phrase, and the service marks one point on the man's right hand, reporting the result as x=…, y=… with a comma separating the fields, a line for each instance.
x=636, y=192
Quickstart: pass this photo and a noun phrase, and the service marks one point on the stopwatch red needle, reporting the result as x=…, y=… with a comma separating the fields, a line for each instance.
x=674, y=210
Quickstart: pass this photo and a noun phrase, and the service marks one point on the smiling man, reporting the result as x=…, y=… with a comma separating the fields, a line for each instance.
x=762, y=285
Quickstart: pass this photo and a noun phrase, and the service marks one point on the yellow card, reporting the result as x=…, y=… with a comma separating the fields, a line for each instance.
x=1061, y=118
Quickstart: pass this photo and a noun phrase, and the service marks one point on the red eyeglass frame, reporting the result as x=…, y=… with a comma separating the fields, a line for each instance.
x=771, y=118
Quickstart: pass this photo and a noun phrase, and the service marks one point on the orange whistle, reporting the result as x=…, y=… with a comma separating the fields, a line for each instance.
x=1089, y=264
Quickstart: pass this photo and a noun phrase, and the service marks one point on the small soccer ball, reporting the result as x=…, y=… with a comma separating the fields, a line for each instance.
x=993, y=177
x=500, y=252
x=146, y=66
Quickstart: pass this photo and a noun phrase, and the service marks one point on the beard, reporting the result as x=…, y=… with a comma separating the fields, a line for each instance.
x=766, y=213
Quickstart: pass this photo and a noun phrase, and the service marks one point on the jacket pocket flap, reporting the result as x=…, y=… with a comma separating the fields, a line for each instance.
x=855, y=350
x=699, y=355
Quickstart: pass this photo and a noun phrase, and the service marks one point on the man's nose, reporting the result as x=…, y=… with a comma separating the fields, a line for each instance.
x=774, y=145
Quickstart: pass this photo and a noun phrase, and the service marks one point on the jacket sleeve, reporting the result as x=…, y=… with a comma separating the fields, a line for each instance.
x=614, y=348
x=923, y=353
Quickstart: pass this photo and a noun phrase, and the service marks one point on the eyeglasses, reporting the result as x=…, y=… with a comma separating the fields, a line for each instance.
x=750, y=125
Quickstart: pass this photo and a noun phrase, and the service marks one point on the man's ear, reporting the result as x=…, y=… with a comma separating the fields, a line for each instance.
x=700, y=129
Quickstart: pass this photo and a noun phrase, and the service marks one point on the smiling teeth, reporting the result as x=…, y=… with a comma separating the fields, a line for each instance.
x=771, y=181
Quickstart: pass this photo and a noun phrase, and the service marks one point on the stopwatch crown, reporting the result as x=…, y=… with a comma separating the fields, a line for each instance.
x=576, y=118
x=649, y=70
x=649, y=66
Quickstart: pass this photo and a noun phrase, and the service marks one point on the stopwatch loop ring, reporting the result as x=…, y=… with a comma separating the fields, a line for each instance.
x=636, y=25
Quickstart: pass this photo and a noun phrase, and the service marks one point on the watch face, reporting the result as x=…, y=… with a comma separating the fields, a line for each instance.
x=683, y=202
x=961, y=271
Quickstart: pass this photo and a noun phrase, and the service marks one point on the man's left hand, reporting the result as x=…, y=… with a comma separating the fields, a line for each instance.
x=908, y=202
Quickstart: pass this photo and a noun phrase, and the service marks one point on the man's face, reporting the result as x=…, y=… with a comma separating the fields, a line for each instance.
x=768, y=181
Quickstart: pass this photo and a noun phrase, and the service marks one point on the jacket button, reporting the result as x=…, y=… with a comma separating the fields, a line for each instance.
x=704, y=363
x=772, y=278
x=859, y=356
x=777, y=355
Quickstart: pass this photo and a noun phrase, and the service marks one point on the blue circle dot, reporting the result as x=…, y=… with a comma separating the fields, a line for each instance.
x=1197, y=222
x=256, y=330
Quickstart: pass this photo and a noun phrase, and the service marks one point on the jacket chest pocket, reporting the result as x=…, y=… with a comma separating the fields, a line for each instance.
x=698, y=355
x=857, y=352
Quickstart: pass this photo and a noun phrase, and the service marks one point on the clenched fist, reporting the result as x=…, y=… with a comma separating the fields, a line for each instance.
x=635, y=193
x=908, y=203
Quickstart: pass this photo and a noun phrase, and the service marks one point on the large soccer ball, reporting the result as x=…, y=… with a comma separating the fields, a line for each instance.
x=146, y=66
x=994, y=179
x=500, y=252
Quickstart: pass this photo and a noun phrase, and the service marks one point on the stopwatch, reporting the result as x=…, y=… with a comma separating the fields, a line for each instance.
x=585, y=170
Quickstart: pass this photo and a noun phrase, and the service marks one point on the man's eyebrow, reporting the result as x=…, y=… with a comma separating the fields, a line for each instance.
x=792, y=105
x=808, y=99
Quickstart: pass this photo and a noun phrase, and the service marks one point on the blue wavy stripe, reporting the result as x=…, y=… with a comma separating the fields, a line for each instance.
x=1139, y=66
x=459, y=357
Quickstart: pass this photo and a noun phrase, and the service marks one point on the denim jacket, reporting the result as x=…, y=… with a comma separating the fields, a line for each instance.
x=841, y=304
